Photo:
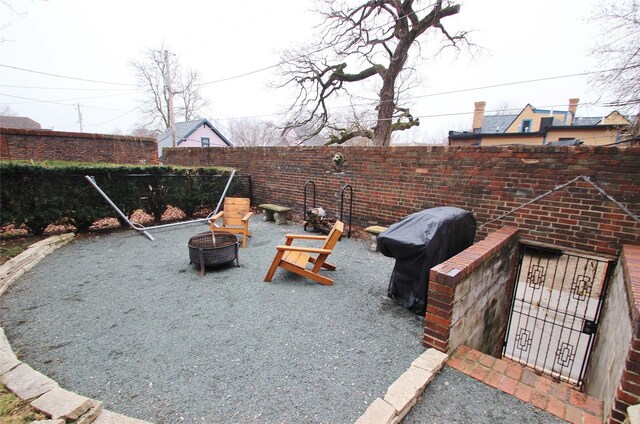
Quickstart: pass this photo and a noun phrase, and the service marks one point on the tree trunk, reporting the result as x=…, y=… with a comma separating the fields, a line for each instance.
x=386, y=107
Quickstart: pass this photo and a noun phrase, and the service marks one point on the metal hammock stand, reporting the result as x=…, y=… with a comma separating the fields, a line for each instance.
x=144, y=230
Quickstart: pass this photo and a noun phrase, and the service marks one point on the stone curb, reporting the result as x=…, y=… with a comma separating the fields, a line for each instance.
x=28, y=384
x=15, y=267
x=403, y=394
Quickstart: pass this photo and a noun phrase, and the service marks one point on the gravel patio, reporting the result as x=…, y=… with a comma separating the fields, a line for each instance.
x=129, y=321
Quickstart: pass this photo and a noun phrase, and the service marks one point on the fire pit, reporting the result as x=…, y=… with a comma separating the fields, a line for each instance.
x=213, y=248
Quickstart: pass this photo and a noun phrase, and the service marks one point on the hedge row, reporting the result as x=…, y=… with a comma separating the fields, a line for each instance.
x=38, y=194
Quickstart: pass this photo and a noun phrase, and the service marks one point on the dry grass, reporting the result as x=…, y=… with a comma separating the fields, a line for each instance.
x=10, y=247
x=15, y=411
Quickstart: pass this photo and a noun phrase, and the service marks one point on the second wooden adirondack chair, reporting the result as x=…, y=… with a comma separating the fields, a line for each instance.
x=296, y=259
x=235, y=217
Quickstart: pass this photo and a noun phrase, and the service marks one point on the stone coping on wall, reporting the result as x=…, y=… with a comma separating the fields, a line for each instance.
x=631, y=268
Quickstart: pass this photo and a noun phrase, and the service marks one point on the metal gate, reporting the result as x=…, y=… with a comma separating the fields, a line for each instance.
x=555, y=311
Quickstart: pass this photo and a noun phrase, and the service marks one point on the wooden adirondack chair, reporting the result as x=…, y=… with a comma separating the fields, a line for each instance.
x=296, y=259
x=235, y=217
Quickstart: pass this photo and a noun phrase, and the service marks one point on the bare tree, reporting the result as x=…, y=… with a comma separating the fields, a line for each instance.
x=618, y=50
x=8, y=6
x=152, y=73
x=375, y=37
x=249, y=132
x=6, y=110
x=142, y=131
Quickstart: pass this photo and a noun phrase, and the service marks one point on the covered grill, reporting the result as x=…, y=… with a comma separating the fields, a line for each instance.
x=419, y=242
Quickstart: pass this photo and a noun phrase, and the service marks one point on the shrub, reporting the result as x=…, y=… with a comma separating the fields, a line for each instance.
x=40, y=194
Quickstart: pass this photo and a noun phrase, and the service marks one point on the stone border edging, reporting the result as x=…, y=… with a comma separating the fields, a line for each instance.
x=40, y=391
x=15, y=267
x=403, y=394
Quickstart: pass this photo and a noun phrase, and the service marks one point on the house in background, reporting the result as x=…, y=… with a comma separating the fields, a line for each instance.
x=537, y=127
x=198, y=133
x=20, y=122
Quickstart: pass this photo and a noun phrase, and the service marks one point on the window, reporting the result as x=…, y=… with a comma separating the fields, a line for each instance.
x=526, y=125
x=204, y=141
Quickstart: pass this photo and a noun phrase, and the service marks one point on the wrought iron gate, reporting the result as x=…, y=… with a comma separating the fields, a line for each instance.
x=555, y=311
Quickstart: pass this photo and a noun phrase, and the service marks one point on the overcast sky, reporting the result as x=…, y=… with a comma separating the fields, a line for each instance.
x=96, y=40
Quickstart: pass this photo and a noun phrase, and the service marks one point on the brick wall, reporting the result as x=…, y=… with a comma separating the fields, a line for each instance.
x=470, y=296
x=613, y=338
x=628, y=390
x=390, y=183
x=39, y=145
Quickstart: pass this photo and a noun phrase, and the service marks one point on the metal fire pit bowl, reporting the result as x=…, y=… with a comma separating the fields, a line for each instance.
x=213, y=248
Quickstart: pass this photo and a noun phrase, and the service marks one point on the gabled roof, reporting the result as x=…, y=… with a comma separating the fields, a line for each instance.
x=21, y=122
x=497, y=123
x=586, y=120
x=185, y=129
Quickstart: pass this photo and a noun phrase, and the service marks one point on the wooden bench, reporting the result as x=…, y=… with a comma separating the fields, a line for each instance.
x=275, y=213
x=375, y=230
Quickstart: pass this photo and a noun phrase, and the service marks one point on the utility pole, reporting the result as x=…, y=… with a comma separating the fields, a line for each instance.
x=79, y=117
x=167, y=86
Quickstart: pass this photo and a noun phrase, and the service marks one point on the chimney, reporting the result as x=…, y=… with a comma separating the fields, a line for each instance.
x=573, y=106
x=478, y=117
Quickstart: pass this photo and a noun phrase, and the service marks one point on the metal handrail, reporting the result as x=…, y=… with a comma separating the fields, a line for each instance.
x=304, y=204
x=350, y=205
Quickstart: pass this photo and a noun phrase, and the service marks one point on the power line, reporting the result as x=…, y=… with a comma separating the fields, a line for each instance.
x=280, y=63
x=65, y=77
x=78, y=98
x=55, y=103
x=509, y=83
x=114, y=119
x=70, y=89
x=239, y=76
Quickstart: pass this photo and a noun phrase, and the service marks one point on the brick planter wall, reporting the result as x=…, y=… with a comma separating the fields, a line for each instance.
x=40, y=145
x=628, y=391
x=390, y=183
x=470, y=294
x=613, y=338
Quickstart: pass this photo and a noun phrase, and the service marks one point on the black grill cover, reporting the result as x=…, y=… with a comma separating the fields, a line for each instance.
x=419, y=242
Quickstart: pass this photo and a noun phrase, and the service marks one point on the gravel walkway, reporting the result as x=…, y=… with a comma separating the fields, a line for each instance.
x=128, y=321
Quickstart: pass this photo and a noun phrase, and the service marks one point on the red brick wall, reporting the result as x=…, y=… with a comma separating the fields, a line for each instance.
x=628, y=392
x=39, y=145
x=390, y=183
x=489, y=265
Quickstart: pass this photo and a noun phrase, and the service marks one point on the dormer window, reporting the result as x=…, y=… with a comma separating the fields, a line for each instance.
x=526, y=125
